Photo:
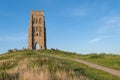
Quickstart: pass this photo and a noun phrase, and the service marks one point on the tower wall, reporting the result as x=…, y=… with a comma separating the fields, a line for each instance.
x=37, y=30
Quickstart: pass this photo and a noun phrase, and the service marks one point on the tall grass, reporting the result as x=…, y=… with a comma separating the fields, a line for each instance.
x=27, y=65
x=31, y=65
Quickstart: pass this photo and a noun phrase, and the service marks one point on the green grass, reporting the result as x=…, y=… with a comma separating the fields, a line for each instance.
x=107, y=60
x=34, y=65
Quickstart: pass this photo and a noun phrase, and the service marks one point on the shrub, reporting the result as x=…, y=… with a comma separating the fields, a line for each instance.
x=94, y=55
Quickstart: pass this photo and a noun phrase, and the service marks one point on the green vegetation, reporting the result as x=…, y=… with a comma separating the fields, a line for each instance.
x=32, y=65
x=28, y=65
x=108, y=60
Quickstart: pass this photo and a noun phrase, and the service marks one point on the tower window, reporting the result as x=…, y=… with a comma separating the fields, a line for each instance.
x=40, y=20
x=36, y=34
x=36, y=21
x=36, y=28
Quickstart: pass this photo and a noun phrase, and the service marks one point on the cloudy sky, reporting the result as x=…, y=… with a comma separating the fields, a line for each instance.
x=82, y=26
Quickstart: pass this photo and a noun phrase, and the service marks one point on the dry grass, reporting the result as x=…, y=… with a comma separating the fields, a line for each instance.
x=29, y=65
x=39, y=68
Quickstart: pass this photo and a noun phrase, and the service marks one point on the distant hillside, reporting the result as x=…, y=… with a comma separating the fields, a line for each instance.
x=33, y=65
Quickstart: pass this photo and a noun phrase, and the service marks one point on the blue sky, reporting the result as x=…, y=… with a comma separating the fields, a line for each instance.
x=82, y=26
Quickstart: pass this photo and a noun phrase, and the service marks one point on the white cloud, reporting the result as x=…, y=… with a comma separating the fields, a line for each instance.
x=86, y=8
x=95, y=40
x=98, y=39
x=109, y=25
x=13, y=38
x=76, y=12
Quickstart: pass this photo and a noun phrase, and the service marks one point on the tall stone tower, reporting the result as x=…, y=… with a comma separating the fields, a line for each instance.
x=37, y=31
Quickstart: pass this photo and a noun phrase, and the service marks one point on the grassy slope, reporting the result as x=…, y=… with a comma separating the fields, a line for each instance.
x=29, y=65
x=108, y=60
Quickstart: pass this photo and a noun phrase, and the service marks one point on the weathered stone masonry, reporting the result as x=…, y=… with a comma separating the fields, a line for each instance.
x=37, y=31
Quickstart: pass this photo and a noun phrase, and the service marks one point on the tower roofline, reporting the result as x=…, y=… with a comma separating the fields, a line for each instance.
x=37, y=11
x=41, y=12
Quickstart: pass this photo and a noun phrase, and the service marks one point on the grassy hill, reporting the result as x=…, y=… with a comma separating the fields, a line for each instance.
x=107, y=60
x=33, y=65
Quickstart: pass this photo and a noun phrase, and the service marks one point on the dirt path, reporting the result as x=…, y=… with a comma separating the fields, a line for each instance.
x=108, y=70
x=105, y=69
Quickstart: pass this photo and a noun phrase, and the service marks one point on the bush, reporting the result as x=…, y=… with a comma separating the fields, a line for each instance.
x=94, y=55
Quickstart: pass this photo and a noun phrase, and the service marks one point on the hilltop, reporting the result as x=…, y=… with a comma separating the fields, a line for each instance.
x=42, y=65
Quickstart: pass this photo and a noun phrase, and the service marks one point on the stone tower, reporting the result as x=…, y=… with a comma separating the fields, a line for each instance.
x=37, y=31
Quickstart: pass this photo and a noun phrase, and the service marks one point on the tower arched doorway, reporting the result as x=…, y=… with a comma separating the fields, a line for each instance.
x=37, y=46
